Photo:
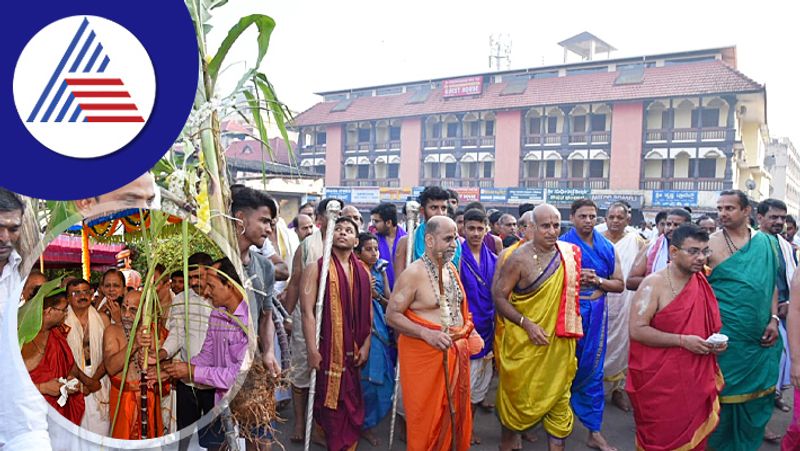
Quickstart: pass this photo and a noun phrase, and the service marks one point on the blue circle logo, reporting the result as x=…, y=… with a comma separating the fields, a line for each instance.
x=100, y=92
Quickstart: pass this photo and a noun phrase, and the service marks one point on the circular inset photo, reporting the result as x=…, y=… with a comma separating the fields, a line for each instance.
x=136, y=329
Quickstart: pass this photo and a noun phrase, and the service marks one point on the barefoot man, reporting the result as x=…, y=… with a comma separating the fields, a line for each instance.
x=536, y=296
x=627, y=244
x=744, y=266
x=674, y=380
x=600, y=274
x=417, y=311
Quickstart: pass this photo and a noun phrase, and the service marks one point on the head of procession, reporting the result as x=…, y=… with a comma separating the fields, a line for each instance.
x=433, y=202
x=255, y=214
x=545, y=227
x=79, y=295
x=475, y=227
x=367, y=248
x=675, y=218
x=384, y=218
x=198, y=271
x=440, y=238
x=222, y=285
x=583, y=214
x=771, y=216
x=688, y=248
x=734, y=209
x=345, y=234
x=617, y=218
x=11, y=209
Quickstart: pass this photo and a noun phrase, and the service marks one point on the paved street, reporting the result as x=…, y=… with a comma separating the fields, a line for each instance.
x=617, y=426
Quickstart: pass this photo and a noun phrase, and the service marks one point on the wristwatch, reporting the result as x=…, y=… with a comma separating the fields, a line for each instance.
x=600, y=281
x=775, y=317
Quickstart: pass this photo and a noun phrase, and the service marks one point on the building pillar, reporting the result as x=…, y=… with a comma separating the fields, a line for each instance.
x=507, y=145
x=411, y=136
x=333, y=155
x=625, y=167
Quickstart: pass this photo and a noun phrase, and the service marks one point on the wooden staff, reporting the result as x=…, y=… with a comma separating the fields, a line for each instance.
x=446, y=354
x=332, y=213
x=143, y=394
x=279, y=315
x=412, y=212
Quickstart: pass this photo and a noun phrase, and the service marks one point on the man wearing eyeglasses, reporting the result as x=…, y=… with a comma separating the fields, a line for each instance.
x=85, y=339
x=673, y=377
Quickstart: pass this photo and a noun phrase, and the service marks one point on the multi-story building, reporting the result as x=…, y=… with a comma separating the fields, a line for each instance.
x=669, y=129
x=783, y=164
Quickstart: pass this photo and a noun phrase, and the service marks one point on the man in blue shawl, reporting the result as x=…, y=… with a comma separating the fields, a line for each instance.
x=433, y=202
x=477, y=271
x=600, y=274
x=384, y=218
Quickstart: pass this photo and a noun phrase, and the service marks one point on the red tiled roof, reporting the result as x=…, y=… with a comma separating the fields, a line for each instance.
x=235, y=127
x=712, y=77
x=257, y=152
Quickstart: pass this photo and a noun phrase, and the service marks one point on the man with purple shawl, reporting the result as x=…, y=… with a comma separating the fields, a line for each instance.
x=600, y=274
x=344, y=337
x=384, y=218
x=477, y=271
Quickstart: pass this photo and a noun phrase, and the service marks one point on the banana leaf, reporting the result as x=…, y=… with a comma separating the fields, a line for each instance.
x=29, y=317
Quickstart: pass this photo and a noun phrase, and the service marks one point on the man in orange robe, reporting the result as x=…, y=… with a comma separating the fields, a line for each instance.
x=125, y=398
x=434, y=330
x=673, y=377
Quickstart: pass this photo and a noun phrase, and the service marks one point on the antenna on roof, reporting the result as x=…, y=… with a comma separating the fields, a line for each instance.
x=500, y=50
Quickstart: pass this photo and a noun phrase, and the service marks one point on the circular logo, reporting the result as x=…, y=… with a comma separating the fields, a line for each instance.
x=84, y=86
x=96, y=92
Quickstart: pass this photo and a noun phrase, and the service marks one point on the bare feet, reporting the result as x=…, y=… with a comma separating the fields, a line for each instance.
x=620, y=399
x=509, y=440
x=486, y=406
x=556, y=444
x=475, y=440
x=318, y=436
x=597, y=441
x=530, y=437
x=771, y=436
x=370, y=437
x=299, y=434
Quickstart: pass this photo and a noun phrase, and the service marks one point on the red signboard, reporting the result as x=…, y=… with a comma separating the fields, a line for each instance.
x=467, y=195
x=459, y=87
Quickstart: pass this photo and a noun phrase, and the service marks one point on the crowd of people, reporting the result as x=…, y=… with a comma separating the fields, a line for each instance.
x=685, y=325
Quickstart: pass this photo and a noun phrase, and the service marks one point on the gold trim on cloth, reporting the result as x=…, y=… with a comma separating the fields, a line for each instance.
x=334, y=373
x=572, y=319
x=738, y=399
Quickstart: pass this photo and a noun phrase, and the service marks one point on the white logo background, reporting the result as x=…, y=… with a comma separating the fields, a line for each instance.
x=129, y=62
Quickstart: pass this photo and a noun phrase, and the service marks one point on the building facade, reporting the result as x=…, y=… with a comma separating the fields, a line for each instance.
x=670, y=129
x=783, y=163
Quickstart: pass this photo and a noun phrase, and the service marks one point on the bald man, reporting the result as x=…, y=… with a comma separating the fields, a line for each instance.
x=430, y=323
x=305, y=226
x=537, y=331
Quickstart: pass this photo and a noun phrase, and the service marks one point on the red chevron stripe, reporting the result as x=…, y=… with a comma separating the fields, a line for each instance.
x=114, y=119
x=94, y=81
x=101, y=94
x=108, y=106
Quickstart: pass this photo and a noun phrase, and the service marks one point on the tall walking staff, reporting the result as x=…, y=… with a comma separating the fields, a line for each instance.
x=444, y=304
x=332, y=213
x=412, y=215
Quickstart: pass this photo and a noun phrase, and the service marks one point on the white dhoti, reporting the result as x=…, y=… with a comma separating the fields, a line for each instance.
x=480, y=377
x=300, y=373
x=618, y=307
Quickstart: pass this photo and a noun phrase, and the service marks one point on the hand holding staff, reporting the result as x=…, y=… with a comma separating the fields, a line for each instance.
x=332, y=213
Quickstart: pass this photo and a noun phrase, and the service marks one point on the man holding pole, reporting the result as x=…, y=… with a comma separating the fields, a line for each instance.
x=433, y=202
x=429, y=310
x=343, y=331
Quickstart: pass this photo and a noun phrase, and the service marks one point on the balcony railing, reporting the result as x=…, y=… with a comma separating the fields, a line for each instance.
x=482, y=182
x=393, y=144
x=536, y=182
x=588, y=138
x=383, y=182
x=312, y=148
x=683, y=184
x=357, y=146
x=586, y=183
x=687, y=134
x=472, y=141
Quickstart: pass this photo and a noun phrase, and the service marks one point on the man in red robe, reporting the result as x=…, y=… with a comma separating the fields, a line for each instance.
x=673, y=377
x=49, y=360
x=344, y=339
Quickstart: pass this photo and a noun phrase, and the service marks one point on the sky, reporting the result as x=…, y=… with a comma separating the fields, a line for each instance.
x=329, y=45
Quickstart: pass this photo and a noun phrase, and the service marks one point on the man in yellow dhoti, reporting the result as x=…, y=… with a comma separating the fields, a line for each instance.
x=536, y=295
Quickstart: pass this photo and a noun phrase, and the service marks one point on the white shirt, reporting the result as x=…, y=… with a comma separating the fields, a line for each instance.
x=199, y=310
x=23, y=413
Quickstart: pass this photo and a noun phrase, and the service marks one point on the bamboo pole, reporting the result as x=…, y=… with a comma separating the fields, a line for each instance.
x=332, y=213
x=412, y=214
